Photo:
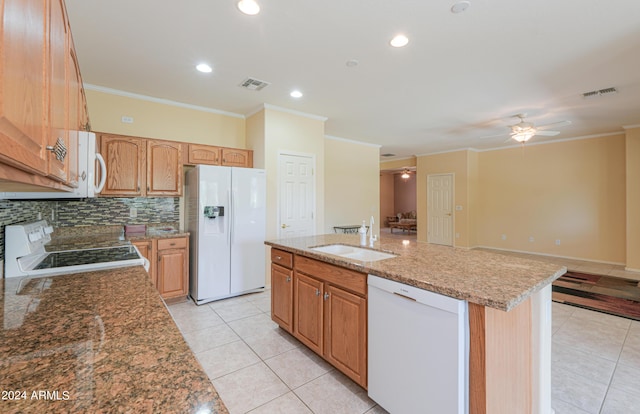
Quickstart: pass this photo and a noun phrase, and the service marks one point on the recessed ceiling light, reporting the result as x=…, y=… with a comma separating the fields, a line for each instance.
x=352, y=63
x=204, y=68
x=296, y=94
x=460, y=6
x=399, y=41
x=249, y=7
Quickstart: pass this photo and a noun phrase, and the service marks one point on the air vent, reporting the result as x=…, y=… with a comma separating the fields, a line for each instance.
x=388, y=155
x=605, y=91
x=254, y=84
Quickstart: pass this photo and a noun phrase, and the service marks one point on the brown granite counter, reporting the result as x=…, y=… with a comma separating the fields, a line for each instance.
x=497, y=281
x=96, y=342
x=87, y=237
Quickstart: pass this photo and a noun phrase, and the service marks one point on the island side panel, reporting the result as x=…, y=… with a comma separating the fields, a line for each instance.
x=500, y=372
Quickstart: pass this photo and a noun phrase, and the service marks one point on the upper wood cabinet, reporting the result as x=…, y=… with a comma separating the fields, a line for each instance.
x=39, y=86
x=138, y=167
x=233, y=157
x=164, y=168
x=204, y=154
x=23, y=93
x=125, y=160
x=58, y=119
x=211, y=155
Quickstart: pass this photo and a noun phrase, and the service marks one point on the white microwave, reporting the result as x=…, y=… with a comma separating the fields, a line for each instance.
x=87, y=157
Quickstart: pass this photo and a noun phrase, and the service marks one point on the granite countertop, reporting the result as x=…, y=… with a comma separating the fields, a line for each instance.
x=489, y=279
x=87, y=237
x=97, y=342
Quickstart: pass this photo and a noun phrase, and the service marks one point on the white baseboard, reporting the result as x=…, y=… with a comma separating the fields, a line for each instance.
x=628, y=269
x=554, y=255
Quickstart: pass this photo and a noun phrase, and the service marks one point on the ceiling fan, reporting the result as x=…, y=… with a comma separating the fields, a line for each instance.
x=523, y=130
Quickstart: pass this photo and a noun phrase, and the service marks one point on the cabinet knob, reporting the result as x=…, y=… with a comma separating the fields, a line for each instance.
x=147, y=189
x=288, y=279
x=278, y=257
x=326, y=295
x=59, y=150
x=317, y=292
x=172, y=244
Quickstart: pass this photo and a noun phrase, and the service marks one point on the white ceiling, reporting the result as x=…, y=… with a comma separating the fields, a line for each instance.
x=459, y=79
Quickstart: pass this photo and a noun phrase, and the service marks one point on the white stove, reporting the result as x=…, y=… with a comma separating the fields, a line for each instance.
x=26, y=255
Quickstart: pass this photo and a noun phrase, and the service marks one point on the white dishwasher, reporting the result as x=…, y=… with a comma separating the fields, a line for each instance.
x=418, y=349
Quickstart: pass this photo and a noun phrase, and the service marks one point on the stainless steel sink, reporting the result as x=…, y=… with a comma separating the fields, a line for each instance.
x=351, y=252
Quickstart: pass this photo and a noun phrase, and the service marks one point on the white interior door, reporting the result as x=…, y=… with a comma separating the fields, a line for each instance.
x=440, y=209
x=296, y=198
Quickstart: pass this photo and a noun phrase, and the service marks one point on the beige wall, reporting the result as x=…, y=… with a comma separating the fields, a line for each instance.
x=396, y=164
x=352, y=186
x=450, y=162
x=163, y=121
x=255, y=138
x=632, y=147
x=292, y=133
x=387, y=197
x=573, y=191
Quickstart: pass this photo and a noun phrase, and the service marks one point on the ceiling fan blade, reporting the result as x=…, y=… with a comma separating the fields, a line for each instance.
x=504, y=134
x=547, y=133
x=554, y=125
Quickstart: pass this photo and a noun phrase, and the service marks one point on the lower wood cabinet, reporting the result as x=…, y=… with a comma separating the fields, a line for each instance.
x=169, y=270
x=328, y=310
x=282, y=292
x=173, y=267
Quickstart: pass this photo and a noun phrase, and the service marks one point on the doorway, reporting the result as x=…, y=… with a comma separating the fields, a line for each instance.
x=440, y=209
x=296, y=194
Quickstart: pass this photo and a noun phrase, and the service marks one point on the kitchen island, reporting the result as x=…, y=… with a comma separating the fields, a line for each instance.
x=509, y=310
x=96, y=342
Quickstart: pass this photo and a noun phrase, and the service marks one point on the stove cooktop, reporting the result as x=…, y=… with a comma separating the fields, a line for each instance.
x=87, y=257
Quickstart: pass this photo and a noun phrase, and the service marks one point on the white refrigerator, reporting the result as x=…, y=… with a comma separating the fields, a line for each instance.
x=226, y=216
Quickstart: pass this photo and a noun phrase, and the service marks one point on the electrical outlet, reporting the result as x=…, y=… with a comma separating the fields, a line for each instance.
x=504, y=237
x=458, y=208
x=127, y=120
x=531, y=239
x=133, y=212
x=557, y=242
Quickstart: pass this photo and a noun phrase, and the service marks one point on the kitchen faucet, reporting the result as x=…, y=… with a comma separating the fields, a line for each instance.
x=372, y=238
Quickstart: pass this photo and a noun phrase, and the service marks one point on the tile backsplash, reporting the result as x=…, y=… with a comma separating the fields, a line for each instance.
x=92, y=212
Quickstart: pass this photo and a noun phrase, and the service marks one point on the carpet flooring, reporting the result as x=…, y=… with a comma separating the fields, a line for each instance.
x=613, y=295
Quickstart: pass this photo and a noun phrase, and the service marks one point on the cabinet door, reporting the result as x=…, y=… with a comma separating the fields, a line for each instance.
x=204, y=154
x=346, y=333
x=164, y=168
x=23, y=134
x=146, y=250
x=232, y=157
x=57, y=69
x=308, y=306
x=173, y=268
x=282, y=297
x=124, y=158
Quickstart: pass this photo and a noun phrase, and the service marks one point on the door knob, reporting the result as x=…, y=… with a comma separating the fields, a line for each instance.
x=284, y=226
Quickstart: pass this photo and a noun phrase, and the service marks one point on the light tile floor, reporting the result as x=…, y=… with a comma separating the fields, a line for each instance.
x=258, y=368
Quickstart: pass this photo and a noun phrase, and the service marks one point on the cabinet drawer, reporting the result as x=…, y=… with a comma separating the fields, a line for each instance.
x=282, y=258
x=177, y=243
x=348, y=279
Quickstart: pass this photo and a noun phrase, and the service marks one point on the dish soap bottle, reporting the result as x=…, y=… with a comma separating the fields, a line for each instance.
x=362, y=231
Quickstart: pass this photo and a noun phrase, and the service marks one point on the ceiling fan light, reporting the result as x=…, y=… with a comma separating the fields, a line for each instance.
x=405, y=175
x=523, y=136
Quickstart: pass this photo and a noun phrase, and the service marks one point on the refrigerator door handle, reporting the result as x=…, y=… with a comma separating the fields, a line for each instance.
x=234, y=194
x=229, y=216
